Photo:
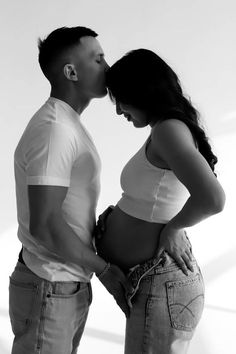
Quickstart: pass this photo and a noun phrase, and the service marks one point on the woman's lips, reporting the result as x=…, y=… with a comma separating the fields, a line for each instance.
x=128, y=117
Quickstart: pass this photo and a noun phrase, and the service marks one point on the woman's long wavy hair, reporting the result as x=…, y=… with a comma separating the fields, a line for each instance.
x=142, y=79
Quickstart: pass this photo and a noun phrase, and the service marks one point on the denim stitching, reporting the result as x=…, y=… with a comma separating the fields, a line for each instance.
x=42, y=318
x=138, y=274
x=186, y=306
x=145, y=343
x=34, y=288
x=172, y=305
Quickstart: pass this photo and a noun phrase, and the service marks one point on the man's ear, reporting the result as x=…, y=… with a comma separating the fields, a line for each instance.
x=70, y=72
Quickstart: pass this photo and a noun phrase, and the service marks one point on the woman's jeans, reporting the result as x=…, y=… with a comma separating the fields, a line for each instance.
x=46, y=317
x=165, y=308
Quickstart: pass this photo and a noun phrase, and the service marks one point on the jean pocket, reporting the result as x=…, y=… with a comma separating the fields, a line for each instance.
x=22, y=298
x=185, y=302
x=63, y=290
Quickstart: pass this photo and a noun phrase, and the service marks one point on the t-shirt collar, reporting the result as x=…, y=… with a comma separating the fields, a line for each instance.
x=65, y=105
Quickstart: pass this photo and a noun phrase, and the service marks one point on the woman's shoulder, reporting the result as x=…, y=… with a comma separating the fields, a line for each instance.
x=169, y=124
x=171, y=130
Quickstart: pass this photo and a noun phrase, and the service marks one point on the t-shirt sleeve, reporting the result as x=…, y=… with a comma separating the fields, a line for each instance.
x=50, y=155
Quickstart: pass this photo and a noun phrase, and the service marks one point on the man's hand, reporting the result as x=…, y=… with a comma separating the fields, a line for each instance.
x=177, y=245
x=118, y=285
x=101, y=224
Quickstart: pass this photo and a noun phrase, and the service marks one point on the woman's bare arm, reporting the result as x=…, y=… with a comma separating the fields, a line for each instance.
x=173, y=142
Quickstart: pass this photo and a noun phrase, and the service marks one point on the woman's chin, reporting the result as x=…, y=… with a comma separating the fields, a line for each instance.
x=138, y=124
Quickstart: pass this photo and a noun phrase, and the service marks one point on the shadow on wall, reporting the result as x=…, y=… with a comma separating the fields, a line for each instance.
x=220, y=265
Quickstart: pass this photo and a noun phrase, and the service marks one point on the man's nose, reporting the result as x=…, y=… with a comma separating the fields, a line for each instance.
x=118, y=109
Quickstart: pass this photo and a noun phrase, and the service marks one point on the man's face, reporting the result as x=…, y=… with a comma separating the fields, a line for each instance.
x=91, y=66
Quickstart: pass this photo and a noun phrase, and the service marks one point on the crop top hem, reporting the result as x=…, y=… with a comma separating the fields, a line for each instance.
x=140, y=215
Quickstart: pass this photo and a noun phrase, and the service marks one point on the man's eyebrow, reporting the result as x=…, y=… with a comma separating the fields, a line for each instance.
x=100, y=54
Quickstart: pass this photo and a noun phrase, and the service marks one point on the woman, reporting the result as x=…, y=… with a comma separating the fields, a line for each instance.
x=168, y=185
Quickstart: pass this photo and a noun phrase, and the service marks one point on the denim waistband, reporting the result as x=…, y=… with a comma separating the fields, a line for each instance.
x=137, y=273
x=150, y=267
x=20, y=267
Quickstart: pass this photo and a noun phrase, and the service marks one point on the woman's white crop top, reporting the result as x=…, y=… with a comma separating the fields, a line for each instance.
x=150, y=193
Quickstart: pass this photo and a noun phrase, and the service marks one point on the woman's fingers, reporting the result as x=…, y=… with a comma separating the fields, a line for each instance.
x=183, y=260
x=187, y=258
x=160, y=252
x=181, y=263
x=190, y=255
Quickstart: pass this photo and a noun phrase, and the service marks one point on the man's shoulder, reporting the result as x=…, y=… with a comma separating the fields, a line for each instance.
x=42, y=114
x=51, y=115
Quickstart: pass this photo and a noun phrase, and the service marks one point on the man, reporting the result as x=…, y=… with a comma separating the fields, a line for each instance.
x=57, y=185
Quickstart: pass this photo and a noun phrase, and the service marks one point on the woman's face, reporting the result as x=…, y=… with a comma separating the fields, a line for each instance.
x=138, y=117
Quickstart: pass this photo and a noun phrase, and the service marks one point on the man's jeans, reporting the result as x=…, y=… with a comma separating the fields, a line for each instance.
x=165, y=309
x=46, y=317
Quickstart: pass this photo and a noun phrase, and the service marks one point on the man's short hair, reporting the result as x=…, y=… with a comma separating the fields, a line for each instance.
x=57, y=43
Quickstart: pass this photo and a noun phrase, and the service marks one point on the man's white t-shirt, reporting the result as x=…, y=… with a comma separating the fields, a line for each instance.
x=56, y=149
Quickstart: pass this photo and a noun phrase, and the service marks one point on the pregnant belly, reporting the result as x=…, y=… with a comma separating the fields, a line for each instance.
x=128, y=241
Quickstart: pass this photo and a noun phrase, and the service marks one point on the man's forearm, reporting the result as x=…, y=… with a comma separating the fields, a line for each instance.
x=58, y=237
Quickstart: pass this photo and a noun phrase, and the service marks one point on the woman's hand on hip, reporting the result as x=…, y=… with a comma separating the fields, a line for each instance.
x=177, y=245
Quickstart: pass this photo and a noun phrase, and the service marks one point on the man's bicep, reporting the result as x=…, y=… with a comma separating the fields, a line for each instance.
x=44, y=201
x=50, y=156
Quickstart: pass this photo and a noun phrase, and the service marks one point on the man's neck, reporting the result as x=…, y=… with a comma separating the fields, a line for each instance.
x=76, y=101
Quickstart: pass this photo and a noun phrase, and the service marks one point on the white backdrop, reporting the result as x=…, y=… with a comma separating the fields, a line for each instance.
x=197, y=38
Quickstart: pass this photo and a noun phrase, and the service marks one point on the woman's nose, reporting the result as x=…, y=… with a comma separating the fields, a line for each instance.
x=118, y=109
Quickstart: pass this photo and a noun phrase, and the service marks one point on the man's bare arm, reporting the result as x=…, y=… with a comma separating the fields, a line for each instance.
x=50, y=229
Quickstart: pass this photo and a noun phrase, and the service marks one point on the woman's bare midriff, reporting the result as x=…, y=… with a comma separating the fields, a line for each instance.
x=128, y=241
